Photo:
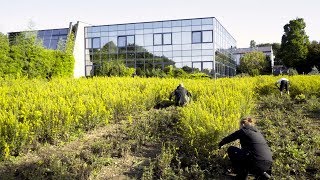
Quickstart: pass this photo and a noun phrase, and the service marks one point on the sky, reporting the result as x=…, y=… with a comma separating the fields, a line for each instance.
x=246, y=20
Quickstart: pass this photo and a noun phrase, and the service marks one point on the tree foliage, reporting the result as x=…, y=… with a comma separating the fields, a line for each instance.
x=26, y=56
x=253, y=63
x=313, y=57
x=294, y=45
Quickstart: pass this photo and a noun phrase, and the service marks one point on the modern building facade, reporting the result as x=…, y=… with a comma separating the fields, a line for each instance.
x=200, y=43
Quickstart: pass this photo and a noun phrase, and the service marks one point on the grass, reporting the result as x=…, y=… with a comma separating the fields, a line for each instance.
x=150, y=147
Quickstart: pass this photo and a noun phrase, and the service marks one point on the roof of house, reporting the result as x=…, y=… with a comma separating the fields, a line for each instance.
x=246, y=50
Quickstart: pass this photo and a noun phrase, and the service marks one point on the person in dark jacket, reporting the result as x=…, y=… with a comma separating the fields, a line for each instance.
x=182, y=96
x=254, y=156
x=284, y=85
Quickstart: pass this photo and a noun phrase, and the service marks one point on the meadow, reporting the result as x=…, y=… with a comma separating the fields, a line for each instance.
x=36, y=113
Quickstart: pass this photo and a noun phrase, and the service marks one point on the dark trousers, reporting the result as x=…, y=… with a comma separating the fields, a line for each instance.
x=243, y=163
x=284, y=85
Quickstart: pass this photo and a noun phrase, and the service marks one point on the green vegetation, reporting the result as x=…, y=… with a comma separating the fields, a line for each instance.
x=26, y=57
x=99, y=128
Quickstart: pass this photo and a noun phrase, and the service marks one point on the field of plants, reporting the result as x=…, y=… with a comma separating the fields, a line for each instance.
x=38, y=112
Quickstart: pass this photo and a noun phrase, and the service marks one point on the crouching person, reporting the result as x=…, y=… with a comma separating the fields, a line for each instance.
x=254, y=156
x=181, y=96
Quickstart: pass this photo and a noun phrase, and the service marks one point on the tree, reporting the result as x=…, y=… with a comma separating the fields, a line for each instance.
x=294, y=45
x=253, y=63
x=252, y=44
x=313, y=57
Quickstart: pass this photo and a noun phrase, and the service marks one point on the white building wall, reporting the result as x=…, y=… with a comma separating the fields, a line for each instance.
x=78, y=51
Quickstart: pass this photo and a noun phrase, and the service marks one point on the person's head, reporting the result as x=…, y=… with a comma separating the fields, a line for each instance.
x=247, y=121
x=181, y=85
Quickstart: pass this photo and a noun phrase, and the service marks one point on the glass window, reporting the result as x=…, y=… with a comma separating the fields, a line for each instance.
x=207, y=21
x=121, y=33
x=186, y=37
x=186, y=22
x=157, y=25
x=139, y=40
x=148, y=39
x=96, y=43
x=186, y=28
x=176, y=38
x=206, y=36
x=186, y=53
x=176, y=23
x=46, y=43
x=186, y=47
x=121, y=27
x=113, y=28
x=196, y=52
x=176, y=29
x=196, y=28
x=158, y=30
x=129, y=32
x=157, y=39
x=177, y=53
x=140, y=31
x=207, y=27
x=129, y=26
x=138, y=26
x=196, y=22
x=122, y=41
x=96, y=29
x=104, y=41
x=113, y=33
x=166, y=30
x=157, y=48
x=167, y=48
x=207, y=52
x=176, y=47
x=196, y=37
x=148, y=31
x=147, y=25
x=47, y=33
x=207, y=58
x=167, y=54
x=196, y=46
x=130, y=40
x=104, y=28
x=55, y=32
x=167, y=38
x=166, y=24
x=104, y=33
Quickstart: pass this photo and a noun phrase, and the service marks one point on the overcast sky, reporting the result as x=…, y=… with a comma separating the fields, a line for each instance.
x=246, y=20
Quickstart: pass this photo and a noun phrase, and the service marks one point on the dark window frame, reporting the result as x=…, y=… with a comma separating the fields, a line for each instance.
x=193, y=32
x=126, y=41
x=162, y=39
x=201, y=38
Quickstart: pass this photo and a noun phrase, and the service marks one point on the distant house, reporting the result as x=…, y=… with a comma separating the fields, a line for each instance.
x=267, y=50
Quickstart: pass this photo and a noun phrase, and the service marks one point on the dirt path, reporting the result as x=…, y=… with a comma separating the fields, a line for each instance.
x=104, y=153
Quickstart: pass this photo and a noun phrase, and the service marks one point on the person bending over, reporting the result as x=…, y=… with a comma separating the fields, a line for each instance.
x=254, y=156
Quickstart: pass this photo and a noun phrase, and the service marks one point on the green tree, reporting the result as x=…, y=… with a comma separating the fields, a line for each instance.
x=313, y=57
x=294, y=45
x=7, y=65
x=252, y=44
x=253, y=63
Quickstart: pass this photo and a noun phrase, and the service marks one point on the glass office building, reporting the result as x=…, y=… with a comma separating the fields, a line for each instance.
x=50, y=38
x=201, y=43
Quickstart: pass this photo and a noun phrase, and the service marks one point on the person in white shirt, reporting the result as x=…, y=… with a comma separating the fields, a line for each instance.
x=284, y=85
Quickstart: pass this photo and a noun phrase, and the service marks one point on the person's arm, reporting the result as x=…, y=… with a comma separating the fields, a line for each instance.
x=232, y=137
